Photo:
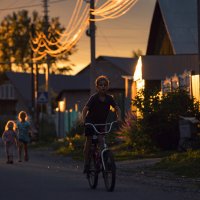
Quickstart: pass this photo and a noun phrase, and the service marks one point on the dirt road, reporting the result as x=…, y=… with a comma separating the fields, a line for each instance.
x=52, y=177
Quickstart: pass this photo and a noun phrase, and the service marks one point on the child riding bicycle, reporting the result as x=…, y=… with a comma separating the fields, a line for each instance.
x=96, y=111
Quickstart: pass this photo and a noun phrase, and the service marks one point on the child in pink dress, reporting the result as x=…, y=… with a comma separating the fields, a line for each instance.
x=9, y=138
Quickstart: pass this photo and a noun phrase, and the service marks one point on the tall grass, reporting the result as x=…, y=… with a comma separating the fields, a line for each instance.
x=182, y=164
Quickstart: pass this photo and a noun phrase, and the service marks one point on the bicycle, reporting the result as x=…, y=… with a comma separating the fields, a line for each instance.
x=101, y=160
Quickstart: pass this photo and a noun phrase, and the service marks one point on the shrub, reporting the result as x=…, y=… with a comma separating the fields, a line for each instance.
x=135, y=137
x=72, y=146
x=158, y=122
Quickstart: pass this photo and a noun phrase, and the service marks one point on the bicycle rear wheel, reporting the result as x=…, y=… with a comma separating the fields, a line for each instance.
x=92, y=174
x=109, y=173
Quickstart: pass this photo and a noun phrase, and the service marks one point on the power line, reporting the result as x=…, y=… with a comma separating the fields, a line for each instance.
x=30, y=6
x=107, y=41
x=119, y=37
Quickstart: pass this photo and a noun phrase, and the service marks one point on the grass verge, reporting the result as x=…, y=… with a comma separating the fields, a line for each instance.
x=185, y=164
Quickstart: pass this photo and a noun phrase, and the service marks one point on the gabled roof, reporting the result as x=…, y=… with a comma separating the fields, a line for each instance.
x=22, y=82
x=81, y=81
x=180, y=22
x=64, y=82
x=125, y=64
x=159, y=67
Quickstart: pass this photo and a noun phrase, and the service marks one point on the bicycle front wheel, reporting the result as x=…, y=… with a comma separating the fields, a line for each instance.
x=92, y=174
x=109, y=173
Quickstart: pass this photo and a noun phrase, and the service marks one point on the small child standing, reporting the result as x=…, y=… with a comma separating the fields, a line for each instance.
x=23, y=127
x=9, y=138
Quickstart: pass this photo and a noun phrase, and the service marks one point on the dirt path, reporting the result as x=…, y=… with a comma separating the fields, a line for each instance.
x=141, y=171
x=136, y=171
x=134, y=178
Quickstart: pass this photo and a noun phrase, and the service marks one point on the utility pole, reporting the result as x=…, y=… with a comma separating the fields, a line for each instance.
x=198, y=29
x=93, y=48
x=91, y=34
x=32, y=77
x=47, y=80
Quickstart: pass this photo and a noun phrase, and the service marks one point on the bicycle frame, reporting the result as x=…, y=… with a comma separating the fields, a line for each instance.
x=102, y=133
x=105, y=159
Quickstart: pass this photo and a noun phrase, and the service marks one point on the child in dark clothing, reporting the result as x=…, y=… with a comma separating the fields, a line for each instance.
x=96, y=111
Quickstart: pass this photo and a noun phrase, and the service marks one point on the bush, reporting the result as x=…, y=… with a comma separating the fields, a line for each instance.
x=135, y=137
x=157, y=125
x=72, y=146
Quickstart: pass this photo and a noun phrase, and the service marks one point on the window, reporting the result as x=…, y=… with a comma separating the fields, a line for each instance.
x=7, y=91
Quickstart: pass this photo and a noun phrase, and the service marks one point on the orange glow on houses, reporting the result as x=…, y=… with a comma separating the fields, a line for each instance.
x=137, y=77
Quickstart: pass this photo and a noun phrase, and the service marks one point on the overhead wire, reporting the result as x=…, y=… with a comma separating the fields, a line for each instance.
x=112, y=9
x=42, y=45
x=29, y=6
x=67, y=39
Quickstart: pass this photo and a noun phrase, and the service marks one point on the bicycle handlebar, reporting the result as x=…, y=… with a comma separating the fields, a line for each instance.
x=95, y=125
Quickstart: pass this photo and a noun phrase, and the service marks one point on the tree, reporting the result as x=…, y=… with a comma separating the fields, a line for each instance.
x=15, y=35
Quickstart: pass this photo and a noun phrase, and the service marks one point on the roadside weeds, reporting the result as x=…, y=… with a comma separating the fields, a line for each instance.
x=143, y=171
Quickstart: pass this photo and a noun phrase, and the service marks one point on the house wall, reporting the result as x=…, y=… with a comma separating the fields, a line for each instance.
x=7, y=99
x=75, y=97
x=152, y=84
x=7, y=107
x=104, y=67
x=11, y=101
x=119, y=96
x=114, y=74
x=195, y=87
x=133, y=95
x=21, y=103
x=81, y=97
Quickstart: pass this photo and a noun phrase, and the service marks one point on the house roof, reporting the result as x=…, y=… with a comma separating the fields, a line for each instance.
x=125, y=64
x=162, y=66
x=64, y=82
x=180, y=21
x=81, y=81
x=22, y=82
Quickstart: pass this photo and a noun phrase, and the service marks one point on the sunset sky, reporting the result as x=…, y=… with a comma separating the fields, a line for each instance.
x=116, y=37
